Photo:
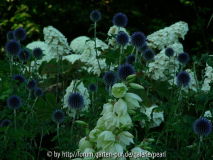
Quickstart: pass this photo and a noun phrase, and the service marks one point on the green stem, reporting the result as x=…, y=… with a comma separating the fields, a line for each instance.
x=58, y=66
x=11, y=70
x=133, y=50
x=136, y=56
x=15, y=118
x=40, y=143
x=201, y=138
x=120, y=55
x=110, y=90
x=95, y=46
x=195, y=75
x=72, y=126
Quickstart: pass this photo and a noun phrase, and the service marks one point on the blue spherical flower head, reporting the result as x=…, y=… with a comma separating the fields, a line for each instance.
x=20, y=78
x=76, y=101
x=148, y=55
x=5, y=123
x=202, y=127
x=169, y=52
x=183, y=57
x=14, y=102
x=58, y=116
x=122, y=38
x=10, y=35
x=13, y=47
x=124, y=71
x=138, y=39
x=183, y=79
x=92, y=87
x=143, y=47
x=20, y=34
x=120, y=20
x=130, y=59
x=38, y=92
x=24, y=55
x=95, y=16
x=109, y=78
x=32, y=85
x=37, y=52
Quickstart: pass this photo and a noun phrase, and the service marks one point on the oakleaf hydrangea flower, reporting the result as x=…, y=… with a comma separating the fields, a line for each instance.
x=37, y=52
x=58, y=116
x=202, y=127
x=38, y=92
x=76, y=101
x=13, y=47
x=183, y=57
x=183, y=79
x=14, y=102
x=119, y=90
x=208, y=78
x=24, y=55
x=169, y=51
x=20, y=34
x=125, y=70
x=9, y=35
x=207, y=114
x=109, y=78
x=122, y=38
x=120, y=20
x=138, y=39
x=78, y=44
x=148, y=55
x=20, y=78
x=5, y=123
x=92, y=87
x=95, y=16
x=32, y=84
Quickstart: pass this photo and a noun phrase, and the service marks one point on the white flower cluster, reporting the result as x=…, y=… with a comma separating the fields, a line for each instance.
x=56, y=41
x=154, y=118
x=159, y=67
x=207, y=114
x=76, y=87
x=167, y=36
x=209, y=78
x=78, y=44
x=114, y=30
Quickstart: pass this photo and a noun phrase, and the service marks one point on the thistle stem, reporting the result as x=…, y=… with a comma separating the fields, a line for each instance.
x=95, y=46
x=133, y=50
x=40, y=143
x=11, y=70
x=72, y=126
x=201, y=138
x=110, y=90
x=15, y=118
x=93, y=99
x=121, y=52
x=56, y=97
x=136, y=56
x=195, y=75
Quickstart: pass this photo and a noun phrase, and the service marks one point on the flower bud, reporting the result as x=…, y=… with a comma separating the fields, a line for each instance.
x=136, y=86
x=132, y=76
x=82, y=123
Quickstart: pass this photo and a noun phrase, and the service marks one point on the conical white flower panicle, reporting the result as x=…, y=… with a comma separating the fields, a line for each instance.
x=208, y=79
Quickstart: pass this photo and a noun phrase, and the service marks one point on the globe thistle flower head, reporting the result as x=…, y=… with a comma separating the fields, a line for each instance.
x=148, y=55
x=20, y=78
x=24, y=55
x=183, y=79
x=10, y=35
x=169, y=52
x=183, y=57
x=76, y=101
x=202, y=127
x=143, y=47
x=38, y=92
x=32, y=85
x=13, y=47
x=20, y=34
x=138, y=39
x=5, y=123
x=109, y=78
x=125, y=70
x=58, y=116
x=37, y=52
x=95, y=16
x=122, y=38
x=92, y=87
x=14, y=102
x=120, y=20
x=130, y=59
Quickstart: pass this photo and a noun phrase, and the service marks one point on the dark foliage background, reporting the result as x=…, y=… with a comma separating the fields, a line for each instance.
x=72, y=18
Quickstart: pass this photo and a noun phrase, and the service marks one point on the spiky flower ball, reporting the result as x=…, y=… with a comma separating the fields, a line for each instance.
x=5, y=123
x=138, y=39
x=169, y=51
x=130, y=59
x=183, y=79
x=148, y=55
x=58, y=116
x=202, y=127
x=143, y=47
x=95, y=16
x=124, y=71
x=120, y=20
x=37, y=52
x=10, y=35
x=20, y=34
x=109, y=78
x=92, y=87
x=38, y=92
x=183, y=57
x=32, y=85
x=24, y=55
x=122, y=38
x=20, y=78
x=14, y=102
x=76, y=101
x=13, y=47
